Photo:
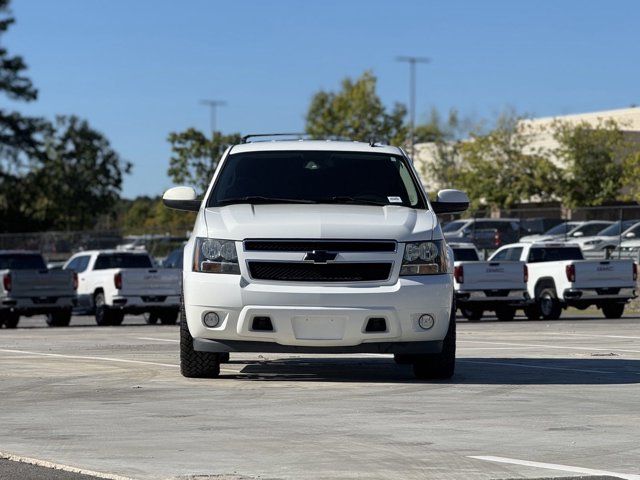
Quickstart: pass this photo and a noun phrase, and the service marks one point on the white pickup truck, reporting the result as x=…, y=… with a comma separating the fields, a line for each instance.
x=559, y=277
x=112, y=283
x=29, y=288
x=497, y=285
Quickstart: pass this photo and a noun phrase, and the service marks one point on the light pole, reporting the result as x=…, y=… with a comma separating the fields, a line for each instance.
x=213, y=106
x=412, y=61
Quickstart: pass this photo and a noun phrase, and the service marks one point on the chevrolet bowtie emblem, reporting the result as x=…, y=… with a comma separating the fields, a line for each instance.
x=320, y=256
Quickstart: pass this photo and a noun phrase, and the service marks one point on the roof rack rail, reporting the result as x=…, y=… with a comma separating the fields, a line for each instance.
x=299, y=136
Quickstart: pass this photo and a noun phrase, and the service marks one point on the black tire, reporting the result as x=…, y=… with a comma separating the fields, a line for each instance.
x=195, y=364
x=10, y=319
x=505, y=314
x=61, y=318
x=472, y=314
x=116, y=317
x=403, y=359
x=613, y=309
x=151, y=318
x=103, y=313
x=439, y=366
x=169, y=318
x=532, y=312
x=548, y=304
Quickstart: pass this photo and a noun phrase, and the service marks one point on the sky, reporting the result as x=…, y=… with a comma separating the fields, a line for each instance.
x=137, y=70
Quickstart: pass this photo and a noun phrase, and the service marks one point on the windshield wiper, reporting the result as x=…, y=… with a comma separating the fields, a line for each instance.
x=261, y=199
x=352, y=200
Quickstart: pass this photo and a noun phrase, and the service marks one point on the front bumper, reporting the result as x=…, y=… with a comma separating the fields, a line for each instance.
x=320, y=318
x=479, y=298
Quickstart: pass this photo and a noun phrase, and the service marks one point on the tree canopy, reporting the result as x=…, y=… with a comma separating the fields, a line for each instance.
x=195, y=156
x=356, y=112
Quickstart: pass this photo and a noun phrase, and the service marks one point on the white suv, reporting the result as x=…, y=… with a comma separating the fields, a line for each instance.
x=317, y=247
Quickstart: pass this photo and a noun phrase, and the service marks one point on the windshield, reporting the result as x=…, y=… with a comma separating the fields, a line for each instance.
x=465, y=255
x=560, y=229
x=454, y=226
x=22, y=261
x=122, y=260
x=613, y=230
x=316, y=177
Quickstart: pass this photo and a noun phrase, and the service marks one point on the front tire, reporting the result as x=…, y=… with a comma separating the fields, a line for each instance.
x=59, y=319
x=472, y=314
x=9, y=319
x=505, y=314
x=532, y=312
x=549, y=305
x=194, y=364
x=613, y=310
x=103, y=313
x=439, y=366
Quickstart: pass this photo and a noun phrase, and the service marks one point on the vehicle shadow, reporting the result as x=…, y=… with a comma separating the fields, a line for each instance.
x=470, y=370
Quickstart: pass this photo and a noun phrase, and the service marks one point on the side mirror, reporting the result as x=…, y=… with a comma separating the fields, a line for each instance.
x=181, y=198
x=630, y=235
x=450, y=201
x=578, y=234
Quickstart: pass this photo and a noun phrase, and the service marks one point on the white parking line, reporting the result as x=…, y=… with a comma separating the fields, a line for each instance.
x=153, y=339
x=508, y=364
x=555, y=466
x=103, y=359
x=552, y=347
x=559, y=334
x=87, y=357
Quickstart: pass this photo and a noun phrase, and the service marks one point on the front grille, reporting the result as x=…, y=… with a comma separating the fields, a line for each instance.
x=319, y=272
x=310, y=245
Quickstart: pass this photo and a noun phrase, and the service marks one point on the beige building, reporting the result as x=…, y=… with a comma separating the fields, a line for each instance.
x=539, y=128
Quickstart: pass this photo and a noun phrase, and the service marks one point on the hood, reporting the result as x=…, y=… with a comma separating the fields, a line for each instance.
x=241, y=221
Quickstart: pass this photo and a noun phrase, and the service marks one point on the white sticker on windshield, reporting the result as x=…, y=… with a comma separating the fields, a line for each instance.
x=394, y=199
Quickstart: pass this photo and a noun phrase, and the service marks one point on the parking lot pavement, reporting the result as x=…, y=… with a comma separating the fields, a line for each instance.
x=529, y=400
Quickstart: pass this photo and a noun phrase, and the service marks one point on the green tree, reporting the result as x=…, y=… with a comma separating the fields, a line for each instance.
x=195, y=156
x=501, y=167
x=19, y=139
x=356, y=112
x=148, y=215
x=594, y=161
x=79, y=178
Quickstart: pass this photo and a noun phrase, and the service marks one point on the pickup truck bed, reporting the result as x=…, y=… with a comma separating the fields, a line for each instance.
x=28, y=288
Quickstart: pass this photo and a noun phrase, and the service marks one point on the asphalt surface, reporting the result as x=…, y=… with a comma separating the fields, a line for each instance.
x=529, y=400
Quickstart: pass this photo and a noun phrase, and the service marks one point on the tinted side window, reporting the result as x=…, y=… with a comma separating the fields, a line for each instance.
x=501, y=255
x=551, y=254
x=514, y=254
x=465, y=255
x=122, y=260
x=78, y=264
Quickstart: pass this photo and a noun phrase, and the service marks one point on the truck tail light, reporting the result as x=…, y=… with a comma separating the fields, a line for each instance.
x=570, y=270
x=635, y=271
x=496, y=239
x=6, y=282
x=458, y=273
x=117, y=280
x=75, y=281
x=525, y=272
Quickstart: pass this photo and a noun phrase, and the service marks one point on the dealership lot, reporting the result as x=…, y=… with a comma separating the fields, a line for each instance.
x=529, y=400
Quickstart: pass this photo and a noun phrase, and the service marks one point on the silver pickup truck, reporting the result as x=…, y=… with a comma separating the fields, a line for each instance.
x=29, y=288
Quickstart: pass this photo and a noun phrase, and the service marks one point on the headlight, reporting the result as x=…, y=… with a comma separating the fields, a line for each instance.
x=215, y=256
x=425, y=258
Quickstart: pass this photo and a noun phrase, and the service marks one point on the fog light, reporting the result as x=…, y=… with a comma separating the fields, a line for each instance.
x=426, y=321
x=211, y=319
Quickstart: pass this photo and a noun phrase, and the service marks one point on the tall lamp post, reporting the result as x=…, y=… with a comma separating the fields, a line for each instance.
x=412, y=61
x=213, y=106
